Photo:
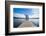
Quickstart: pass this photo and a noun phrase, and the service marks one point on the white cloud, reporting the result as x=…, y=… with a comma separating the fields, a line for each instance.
x=35, y=13
x=19, y=15
x=23, y=16
x=34, y=16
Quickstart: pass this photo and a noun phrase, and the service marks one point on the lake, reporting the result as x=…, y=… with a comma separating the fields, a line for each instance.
x=18, y=22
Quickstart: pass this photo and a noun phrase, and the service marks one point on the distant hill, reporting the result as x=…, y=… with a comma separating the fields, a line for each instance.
x=23, y=18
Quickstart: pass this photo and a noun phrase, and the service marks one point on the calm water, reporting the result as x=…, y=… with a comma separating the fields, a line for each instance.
x=18, y=22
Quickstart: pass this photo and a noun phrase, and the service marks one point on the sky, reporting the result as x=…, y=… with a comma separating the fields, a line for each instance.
x=25, y=11
x=31, y=12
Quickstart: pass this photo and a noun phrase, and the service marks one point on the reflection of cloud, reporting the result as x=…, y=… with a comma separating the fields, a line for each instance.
x=19, y=15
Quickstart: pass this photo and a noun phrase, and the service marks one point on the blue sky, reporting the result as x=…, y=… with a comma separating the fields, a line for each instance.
x=27, y=11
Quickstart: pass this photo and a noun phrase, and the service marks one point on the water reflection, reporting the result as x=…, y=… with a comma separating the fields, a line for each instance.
x=18, y=22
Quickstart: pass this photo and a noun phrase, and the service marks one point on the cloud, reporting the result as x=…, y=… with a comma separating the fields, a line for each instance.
x=19, y=15
x=35, y=13
x=34, y=16
x=23, y=16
